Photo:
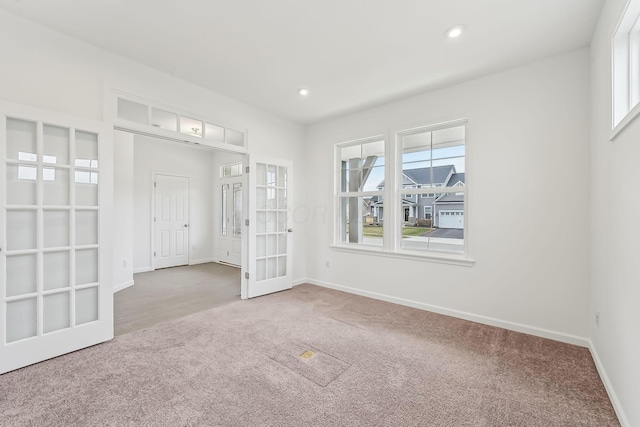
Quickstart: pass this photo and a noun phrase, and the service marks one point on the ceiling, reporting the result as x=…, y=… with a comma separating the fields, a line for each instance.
x=350, y=54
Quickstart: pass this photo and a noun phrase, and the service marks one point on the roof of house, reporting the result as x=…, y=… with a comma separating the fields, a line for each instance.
x=450, y=198
x=457, y=177
x=422, y=176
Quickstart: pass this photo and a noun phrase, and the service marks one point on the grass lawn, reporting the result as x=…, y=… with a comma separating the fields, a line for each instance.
x=376, y=231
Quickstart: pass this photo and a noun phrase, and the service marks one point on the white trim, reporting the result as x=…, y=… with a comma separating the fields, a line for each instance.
x=624, y=123
x=617, y=406
x=360, y=194
x=299, y=282
x=624, y=65
x=485, y=320
x=202, y=261
x=228, y=264
x=439, y=257
x=123, y=285
x=143, y=270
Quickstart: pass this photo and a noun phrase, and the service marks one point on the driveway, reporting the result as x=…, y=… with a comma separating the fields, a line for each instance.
x=446, y=233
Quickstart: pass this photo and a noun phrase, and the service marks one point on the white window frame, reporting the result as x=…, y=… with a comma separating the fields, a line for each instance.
x=626, y=68
x=392, y=194
x=347, y=194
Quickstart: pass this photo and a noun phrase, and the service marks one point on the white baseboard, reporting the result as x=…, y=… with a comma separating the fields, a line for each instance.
x=617, y=406
x=201, y=261
x=505, y=324
x=122, y=286
x=300, y=282
x=142, y=270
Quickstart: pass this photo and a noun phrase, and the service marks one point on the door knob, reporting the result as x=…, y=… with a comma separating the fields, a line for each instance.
x=290, y=230
x=186, y=225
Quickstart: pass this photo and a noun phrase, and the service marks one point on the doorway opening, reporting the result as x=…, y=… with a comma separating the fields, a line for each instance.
x=169, y=207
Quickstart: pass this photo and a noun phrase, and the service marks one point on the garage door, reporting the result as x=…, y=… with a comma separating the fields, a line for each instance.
x=451, y=219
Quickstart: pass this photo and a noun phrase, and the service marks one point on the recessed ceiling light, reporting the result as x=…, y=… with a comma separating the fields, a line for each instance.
x=303, y=92
x=454, y=32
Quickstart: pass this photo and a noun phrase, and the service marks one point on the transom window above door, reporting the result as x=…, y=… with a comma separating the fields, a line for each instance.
x=139, y=114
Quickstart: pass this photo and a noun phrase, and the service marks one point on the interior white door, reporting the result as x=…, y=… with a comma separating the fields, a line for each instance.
x=230, y=248
x=56, y=293
x=270, y=232
x=171, y=221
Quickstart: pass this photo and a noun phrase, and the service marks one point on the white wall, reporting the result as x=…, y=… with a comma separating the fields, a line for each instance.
x=123, y=210
x=156, y=156
x=615, y=206
x=47, y=69
x=528, y=204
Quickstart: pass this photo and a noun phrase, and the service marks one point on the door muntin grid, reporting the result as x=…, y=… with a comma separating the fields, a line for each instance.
x=51, y=229
x=271, y=221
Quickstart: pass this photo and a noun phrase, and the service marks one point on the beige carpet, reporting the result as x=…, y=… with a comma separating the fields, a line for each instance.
x=370, y=363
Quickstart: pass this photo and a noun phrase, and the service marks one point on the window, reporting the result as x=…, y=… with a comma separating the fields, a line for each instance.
x=142, y=112
x=410, y=196
x=434, y=157
x=430, y=164
x=427, y=212
x=237, y=209
x=626, y=64
x=361, y=173
x=234, y=169
x=223, y=214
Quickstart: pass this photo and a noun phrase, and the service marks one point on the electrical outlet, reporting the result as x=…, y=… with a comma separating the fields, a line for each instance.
x=124, y=263
x=597, y=317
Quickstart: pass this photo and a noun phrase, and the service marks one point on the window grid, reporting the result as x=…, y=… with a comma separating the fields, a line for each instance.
x=361, y=169
x=271, y=221
x=60, y=228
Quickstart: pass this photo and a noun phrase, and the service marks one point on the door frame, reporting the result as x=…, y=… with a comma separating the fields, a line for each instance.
x=153, y=212
x=110, y=96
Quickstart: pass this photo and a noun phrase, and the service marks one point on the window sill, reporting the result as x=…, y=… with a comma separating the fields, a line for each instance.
x=624, y=123
x=411, y=255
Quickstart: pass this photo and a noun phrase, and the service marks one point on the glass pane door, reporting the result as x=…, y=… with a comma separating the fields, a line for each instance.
x=50, y=276
x=270, y=235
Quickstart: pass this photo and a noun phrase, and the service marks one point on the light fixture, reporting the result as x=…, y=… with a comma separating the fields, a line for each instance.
x=303, y=92
x=454, y=32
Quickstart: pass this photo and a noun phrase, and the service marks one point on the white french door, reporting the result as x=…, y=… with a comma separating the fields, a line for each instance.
x=270, y=232
x=56, y=293
x=231, y=224
x=171, y=221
